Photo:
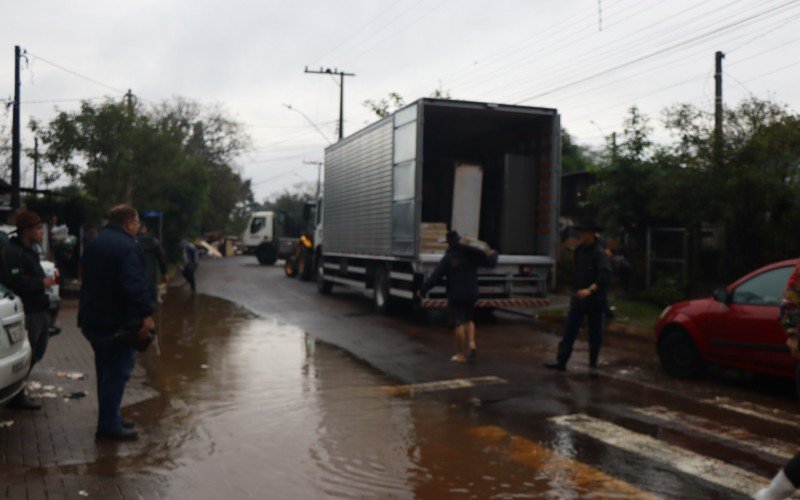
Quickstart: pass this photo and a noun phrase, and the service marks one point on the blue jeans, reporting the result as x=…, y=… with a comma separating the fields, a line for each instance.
x=113, y=363
x=592, y=309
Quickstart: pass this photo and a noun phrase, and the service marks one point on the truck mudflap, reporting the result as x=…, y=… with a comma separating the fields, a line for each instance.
x=499, y=303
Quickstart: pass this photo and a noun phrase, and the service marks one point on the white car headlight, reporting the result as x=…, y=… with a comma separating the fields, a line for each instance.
x=665, y=312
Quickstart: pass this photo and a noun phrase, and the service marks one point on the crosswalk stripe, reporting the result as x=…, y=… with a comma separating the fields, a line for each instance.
x=706, y=468
x=754, y=410
x=443, y=385
x=743, y=438
x=561, y=473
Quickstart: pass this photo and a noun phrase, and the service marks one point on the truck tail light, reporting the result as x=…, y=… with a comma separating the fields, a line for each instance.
x=526, y=270
x=57, y=277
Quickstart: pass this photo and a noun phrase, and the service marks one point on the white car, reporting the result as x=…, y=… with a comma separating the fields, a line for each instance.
x=15, y=351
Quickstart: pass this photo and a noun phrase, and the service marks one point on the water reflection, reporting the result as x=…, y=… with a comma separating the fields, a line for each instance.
x=254, y=408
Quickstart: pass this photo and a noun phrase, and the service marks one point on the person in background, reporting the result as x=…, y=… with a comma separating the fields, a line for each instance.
x=787, y=480
x=460, y=266
x=155, y=261
x=22, y=273
x=114, y=295
x=190, y=263
x=592, y=273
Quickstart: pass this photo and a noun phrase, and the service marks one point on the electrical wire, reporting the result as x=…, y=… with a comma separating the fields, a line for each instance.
x=663, y=50
x=75, y=73
x=370, y=23
x=612, y=54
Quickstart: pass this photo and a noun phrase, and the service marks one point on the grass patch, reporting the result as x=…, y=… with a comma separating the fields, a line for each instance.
x=633, y=313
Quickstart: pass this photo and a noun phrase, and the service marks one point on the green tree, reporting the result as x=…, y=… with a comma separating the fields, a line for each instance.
x=175, y=158
x=575, y=157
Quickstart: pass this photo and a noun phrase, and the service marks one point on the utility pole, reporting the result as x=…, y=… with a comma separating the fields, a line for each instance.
x=718, y=138
x=35, y=163
x=15, y=133
x=342, y=74
x=319, y=165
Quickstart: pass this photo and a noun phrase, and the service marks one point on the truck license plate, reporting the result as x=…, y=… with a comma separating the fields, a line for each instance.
x=16, y=332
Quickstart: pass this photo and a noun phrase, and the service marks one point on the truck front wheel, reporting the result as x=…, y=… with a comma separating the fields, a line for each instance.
x=266, y=254
x=323, y=286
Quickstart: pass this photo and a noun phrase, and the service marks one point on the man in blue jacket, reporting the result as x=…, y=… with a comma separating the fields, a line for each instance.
x=114, y=295
x=460, y=266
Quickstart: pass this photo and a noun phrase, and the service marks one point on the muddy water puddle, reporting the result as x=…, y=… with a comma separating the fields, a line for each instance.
x=249, y=407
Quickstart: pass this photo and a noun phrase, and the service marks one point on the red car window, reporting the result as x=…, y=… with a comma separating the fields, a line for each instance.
x=766, y=289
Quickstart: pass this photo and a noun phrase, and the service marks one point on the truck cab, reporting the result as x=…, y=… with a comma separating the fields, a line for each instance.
x=259, y=237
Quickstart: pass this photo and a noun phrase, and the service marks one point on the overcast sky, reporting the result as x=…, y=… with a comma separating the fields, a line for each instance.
x=249, y=57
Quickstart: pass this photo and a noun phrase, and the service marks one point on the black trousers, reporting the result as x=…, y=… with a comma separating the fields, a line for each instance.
x=593, y=309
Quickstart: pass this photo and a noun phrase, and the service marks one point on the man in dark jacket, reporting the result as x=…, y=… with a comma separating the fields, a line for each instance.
x=22, y=272
x=114, y=295
x=460, y=266
x=154, y=260
x=592, y=275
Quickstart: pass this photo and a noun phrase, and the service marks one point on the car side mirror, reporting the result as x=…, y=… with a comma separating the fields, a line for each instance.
x=721, y=295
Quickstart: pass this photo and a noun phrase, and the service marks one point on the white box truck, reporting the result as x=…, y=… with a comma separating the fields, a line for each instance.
x=393, y=189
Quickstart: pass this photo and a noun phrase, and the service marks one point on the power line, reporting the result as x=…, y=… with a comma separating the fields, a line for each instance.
x=75, y=73
x=396, y=32
x=358, y=31
x=557, y=45
x=658, y=52
x=613, y=53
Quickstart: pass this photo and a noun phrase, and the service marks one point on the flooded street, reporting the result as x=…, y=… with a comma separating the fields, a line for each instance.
x=256, y=408
x=262, y=388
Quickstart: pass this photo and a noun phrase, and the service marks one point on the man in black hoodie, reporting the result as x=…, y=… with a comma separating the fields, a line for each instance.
x=592, y=275
x=23, y=274
x=460, y=266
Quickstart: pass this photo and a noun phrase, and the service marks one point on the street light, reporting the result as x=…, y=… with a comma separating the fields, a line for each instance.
x=289, y=106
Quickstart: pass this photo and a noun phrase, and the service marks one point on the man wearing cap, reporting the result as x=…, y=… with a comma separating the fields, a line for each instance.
x=460, y=266
x=22, y=272
x=592, y=275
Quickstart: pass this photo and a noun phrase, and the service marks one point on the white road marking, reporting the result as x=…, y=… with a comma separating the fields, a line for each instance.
x=754, y=410
x=444, y=385
x=709, y=469
x=742, y=437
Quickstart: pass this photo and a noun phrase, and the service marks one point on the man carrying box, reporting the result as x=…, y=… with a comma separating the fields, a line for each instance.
x=460, y=266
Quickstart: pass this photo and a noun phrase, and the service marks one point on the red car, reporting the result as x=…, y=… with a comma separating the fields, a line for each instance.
x=738, y=326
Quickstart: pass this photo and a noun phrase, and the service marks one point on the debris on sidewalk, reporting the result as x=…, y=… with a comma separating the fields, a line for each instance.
x=75, y=395
x=71, y=375
x=83, y=493
x=5, y=424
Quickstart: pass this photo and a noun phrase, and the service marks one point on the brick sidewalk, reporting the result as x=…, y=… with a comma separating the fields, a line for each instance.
x=52, y=453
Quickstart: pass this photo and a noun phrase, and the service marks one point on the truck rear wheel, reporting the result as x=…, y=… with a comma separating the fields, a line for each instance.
x=381, y=296
x=323, y=286
x=266, y=254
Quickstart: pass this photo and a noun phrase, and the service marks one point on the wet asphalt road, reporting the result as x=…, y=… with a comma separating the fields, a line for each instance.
x=632, y=433
x=262, y=388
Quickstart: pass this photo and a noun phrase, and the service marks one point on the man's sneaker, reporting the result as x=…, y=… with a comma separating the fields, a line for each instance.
x=593, y=372
x=127, y=424
x=120, y=435
x=555, y=366
x=23, y=402
x=458, y=358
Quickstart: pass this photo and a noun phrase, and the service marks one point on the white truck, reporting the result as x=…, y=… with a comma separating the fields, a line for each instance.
x=393, y=189
x=269, y=236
